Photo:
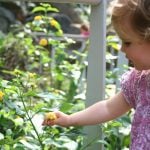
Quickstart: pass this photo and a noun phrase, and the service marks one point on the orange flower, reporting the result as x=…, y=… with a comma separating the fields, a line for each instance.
x=43, y=42
x=1, y=95
x=37, y=18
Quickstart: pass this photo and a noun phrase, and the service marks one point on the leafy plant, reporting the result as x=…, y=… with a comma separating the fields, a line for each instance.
x=36, y=85
x=38, y=75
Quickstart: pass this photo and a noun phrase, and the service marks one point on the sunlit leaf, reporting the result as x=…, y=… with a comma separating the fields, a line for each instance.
x=65, y=107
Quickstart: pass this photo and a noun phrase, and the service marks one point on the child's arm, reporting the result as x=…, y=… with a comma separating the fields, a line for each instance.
x=99, y=112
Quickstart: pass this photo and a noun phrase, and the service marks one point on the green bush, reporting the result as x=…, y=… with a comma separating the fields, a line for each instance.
x=34, y=80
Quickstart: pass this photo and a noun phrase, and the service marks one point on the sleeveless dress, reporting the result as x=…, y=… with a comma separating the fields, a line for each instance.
x=135, y=86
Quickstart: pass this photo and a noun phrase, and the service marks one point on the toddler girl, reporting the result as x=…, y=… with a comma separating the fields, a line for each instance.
x=131, y=20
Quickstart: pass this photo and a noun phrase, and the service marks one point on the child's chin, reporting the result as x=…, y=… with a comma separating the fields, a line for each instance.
x=142, y=68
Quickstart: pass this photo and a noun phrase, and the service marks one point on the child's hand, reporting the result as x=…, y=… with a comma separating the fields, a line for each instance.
x=56, y=118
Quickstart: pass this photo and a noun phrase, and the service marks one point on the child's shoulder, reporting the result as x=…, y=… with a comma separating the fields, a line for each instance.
x=131, y=84
x=134, y=74
x=130, y=75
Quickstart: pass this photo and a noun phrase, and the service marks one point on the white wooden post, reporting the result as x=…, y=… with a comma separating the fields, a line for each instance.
x=96, y=59
x=96, y=66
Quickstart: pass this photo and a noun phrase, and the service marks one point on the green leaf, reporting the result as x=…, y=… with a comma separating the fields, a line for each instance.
x=1, y=136
x=19, y=146
x=29, y=93
x=10, y=104
x=4, y=83
x=18, y=121
x=29, y=145
x=103, y=142
x=116, y=124
x=53, y=9
x=11, y=90
x=8, y=141
x=38, y=9
x=48, y=96
x=65, y=107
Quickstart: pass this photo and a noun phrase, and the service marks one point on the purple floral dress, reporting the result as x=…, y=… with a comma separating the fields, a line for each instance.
x=135, y=86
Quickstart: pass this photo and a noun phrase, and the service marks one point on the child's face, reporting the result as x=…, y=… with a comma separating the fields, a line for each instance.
x=136, y=49
x=138, y=52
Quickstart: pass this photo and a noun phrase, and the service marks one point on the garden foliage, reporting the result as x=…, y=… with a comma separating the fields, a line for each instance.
x=38, y=74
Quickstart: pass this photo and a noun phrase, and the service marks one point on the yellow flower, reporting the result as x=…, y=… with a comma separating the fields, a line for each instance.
x=33, y=86
x=50, y=116
x=1, y=95
x=17, y=72
x=43, y=42
x=32, y=75
x=37, y=18
x=53, y=22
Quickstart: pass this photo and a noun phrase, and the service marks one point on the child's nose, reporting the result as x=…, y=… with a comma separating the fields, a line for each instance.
x=122, y=48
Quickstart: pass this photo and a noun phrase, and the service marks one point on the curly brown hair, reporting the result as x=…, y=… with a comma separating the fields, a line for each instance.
x=137, y=12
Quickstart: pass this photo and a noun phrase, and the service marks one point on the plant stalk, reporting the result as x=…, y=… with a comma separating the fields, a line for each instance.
x=31, y=121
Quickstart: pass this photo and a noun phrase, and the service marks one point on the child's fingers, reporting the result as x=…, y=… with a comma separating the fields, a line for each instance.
x=50, y=118
x=44, y=122
x=48, y=122
x=58, y=114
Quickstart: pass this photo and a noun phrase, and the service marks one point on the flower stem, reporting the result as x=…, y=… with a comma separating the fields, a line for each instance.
x=31, y=121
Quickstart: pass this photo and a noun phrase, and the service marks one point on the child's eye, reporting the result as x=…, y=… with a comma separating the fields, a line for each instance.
x=126, y=43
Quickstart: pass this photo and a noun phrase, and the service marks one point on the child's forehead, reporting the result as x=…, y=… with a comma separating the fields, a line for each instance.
x=128, y=36
x=125, y=31
x=124, y=35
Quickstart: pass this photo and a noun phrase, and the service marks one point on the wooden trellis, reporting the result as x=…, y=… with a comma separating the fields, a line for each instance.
x=96, y=59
